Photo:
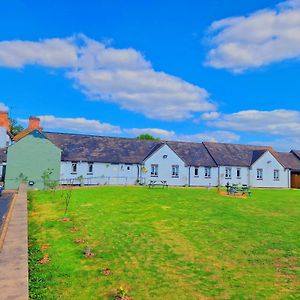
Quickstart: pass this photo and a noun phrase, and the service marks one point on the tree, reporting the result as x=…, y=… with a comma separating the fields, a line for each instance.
x=147, y=136
x=15, y=128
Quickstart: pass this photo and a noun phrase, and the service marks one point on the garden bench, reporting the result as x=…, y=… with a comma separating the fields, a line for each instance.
x=161, y=183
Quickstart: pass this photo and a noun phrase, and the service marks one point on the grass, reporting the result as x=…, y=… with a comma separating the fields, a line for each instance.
x=165, y=244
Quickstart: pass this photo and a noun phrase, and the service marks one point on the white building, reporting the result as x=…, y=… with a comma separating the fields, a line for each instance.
x=107, y=160
x=93, y=160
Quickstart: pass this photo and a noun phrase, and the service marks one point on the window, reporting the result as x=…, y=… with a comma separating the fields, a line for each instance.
x=90, y=167
x=154, y=170
x=207, y=172
x=259, y=174
x=165, y=156
x=228, y=173
x=74, y=167
x=276, y=175
x=128, y=168
x=175, y=171
x=238, y=173
x=196, y=172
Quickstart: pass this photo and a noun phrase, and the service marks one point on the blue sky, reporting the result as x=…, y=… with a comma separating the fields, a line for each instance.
x=225, y=71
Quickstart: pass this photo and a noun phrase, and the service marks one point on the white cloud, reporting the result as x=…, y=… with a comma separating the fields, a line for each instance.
x=262, y=38
x=281, y=144
x=275, y=122
x=156, y=132
x=120, y=76
x=210, y=116
x=221, y=136
x=80, y=125
x=211, y=136
x=3, y=107
x=50, y=52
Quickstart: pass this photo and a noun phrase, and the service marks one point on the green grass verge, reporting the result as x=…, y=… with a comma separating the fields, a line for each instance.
x=171, y=243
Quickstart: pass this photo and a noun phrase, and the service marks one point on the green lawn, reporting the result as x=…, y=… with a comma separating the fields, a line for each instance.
x=165, y=244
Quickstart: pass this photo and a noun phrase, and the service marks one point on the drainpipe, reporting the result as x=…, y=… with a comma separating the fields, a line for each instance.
x=138, y=172
x=189, y=176
x=249, y=176
x=219, y=180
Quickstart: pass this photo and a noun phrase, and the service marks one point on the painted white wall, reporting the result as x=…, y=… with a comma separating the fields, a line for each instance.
x=243, y=179
x=165, y=167
x=200, y=180
x=5, y=140
x=268, y=163
x=103, y=173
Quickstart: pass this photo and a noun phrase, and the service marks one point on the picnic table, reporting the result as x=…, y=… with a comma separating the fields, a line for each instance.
x=154, y=183
x=238, y=189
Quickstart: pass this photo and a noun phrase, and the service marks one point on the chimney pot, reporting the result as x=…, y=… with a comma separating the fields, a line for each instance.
x=34, y=123
x=4, y=120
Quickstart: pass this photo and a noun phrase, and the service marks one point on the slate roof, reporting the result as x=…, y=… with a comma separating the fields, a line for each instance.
x=193, y=154
x=88, y=148
x=77, y=147
x=288, y=160
x=296, y=152
x=235, y=154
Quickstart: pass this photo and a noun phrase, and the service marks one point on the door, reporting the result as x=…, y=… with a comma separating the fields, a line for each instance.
x=295, y=181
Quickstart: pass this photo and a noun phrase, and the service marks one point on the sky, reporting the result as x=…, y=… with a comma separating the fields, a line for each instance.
x=193, y=70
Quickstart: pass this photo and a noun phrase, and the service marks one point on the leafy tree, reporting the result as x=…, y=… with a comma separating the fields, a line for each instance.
x=15, y=128
x=147, y=136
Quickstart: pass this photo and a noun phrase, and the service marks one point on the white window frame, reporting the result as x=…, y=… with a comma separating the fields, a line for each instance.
x=90, y=168
x=276, y=175
x=228, y=173
x=238, y=170
x=259, y=174
x=207, y=172
x=175, y=171
x=74, y=167
x=196, y=170
x=154, y=170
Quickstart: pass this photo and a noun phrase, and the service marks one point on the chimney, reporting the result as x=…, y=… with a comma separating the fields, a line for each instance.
x=34, y=123
x=4, y=120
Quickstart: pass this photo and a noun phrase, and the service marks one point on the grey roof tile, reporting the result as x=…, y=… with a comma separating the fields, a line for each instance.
x=235, y=154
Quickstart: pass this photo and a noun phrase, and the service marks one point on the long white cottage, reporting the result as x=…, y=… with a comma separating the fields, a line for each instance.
x=93, y=160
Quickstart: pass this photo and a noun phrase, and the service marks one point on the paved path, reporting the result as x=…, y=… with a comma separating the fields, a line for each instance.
x=14, y=257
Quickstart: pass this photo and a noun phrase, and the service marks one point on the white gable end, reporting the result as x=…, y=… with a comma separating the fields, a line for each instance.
x=263, y=172
x=165, y=161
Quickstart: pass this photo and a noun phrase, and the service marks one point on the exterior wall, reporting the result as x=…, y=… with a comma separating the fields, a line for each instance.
x=200, y=180
x=243, y=179
x=165, y=167
x=103, y=173
x=268, y=164
x=4, y=138
x=31, y=156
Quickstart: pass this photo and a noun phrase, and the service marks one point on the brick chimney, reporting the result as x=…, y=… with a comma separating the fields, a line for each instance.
x=34, y=123
x=4, y=120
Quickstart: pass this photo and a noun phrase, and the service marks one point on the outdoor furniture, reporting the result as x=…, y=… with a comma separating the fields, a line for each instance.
x=154, y=183
x=236, y=189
